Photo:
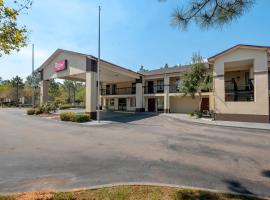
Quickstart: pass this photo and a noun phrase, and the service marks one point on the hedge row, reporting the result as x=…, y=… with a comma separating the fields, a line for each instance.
x=71, y=116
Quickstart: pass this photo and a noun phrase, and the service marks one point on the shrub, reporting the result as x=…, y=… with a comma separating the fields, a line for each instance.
x=38, y=111
x=31, y=111
x=64, y=106
x=67, y=116
x=198, y=114
x=80, y=118
x=49, y=107
x=191, y=114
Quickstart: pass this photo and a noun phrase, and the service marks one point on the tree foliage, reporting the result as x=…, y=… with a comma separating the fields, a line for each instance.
x=17, y=83
x=12, y=35
x=197, y=79
x=210, y=13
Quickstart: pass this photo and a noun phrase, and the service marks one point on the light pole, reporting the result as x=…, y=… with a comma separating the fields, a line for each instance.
x=33, y=79
x=98, y=66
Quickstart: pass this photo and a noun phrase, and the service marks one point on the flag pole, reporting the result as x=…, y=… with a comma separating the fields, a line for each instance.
x=98, y=66
x=33, y=68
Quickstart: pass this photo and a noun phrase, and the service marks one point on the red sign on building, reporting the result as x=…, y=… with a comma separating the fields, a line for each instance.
x=60, y=65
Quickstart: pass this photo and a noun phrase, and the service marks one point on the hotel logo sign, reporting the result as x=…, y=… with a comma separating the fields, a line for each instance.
x=60, y=65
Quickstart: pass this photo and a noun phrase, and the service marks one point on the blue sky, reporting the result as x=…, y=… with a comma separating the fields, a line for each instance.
x=134, y=33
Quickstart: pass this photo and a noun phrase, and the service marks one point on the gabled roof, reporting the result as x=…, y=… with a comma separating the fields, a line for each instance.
x=58, y=51
x=245, y=46
x=168, y=70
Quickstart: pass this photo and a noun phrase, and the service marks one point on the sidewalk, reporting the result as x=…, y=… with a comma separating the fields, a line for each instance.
x=185, y=117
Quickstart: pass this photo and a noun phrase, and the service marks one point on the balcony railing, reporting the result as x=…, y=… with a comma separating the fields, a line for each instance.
x=239, y=92
x=153, y=89
x=119, y=91
x=174, y=88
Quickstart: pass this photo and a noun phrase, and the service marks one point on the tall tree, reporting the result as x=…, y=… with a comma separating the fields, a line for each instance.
x=69, y=87
x=6, y=91
x=17, y=83
x=12, y=35
x=210, y=13
x=54, y=89
x=32, y=80
x=196, y=79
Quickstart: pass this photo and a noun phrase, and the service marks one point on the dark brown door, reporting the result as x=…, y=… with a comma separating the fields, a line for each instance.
x=122, y=104
x=205, y=104
x=151, y=105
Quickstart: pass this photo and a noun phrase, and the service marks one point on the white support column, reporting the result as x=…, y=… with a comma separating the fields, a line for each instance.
x=44, y=87
x=166, y=94
x=116, y=104
x=104, y=104
x=91, y=88
x=139, y=95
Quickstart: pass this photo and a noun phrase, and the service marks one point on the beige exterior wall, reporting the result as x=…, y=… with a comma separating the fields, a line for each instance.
x=76, y=65
x=261, y=105
x=183, y=104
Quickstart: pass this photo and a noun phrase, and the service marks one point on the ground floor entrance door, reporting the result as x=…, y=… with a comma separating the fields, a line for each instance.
x=205, y=104
x=151, y=105
x=122, y=104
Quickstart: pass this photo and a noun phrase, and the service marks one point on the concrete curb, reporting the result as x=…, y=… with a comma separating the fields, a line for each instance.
x=246, y=125
x=149, y=184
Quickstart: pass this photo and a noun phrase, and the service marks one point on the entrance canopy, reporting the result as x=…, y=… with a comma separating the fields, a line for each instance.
x=71, y=65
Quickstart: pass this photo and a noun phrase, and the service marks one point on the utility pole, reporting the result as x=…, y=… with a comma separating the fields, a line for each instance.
x=98, y=66
x=33, y=74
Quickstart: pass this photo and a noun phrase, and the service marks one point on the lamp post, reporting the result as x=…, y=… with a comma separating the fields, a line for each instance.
x=33, y=79
x=98, y=67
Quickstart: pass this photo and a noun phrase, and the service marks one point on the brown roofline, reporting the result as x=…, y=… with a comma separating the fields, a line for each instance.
x=238, y=46
x=82, y=54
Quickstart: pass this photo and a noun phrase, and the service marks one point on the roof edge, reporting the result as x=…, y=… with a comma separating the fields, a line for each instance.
x=238, y=46
x=59, y=50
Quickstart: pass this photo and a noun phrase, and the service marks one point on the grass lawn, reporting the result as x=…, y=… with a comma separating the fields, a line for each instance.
x=129, y=193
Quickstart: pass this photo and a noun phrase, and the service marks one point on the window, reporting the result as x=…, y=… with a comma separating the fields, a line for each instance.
x=160, y=104
x=132, y=102
x=113, y=89
x=111, y=102
x=160, y=86
x=133, y=90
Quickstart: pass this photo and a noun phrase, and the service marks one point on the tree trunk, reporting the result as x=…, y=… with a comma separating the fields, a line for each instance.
x=200, y=101
x=17, y=95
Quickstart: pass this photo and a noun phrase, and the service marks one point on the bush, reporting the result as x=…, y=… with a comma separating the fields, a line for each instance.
x=191, y=114
x=38, y=111
x=67, y=116
x=64, y=106
x=31, y=111
x=80, y=118
x=198, y=114
x=49, y=107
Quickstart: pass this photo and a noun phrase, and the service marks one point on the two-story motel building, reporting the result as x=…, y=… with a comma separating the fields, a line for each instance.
x=240, y=84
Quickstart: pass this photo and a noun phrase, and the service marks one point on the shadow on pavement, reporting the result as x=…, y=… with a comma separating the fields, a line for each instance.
x=125, y=117
x=266, y=173
x=237, y=187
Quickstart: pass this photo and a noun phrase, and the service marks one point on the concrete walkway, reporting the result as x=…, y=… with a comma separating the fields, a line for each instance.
x=185, y=117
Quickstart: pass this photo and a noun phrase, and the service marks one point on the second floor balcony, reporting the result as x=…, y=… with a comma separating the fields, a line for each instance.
x=118, y=91
x=239, y=92
x=153, y=89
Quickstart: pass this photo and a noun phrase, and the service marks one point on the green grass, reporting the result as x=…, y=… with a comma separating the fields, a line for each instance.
x=132, y=193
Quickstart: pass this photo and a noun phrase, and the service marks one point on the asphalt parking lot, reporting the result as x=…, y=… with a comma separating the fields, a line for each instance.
x=42, y=154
